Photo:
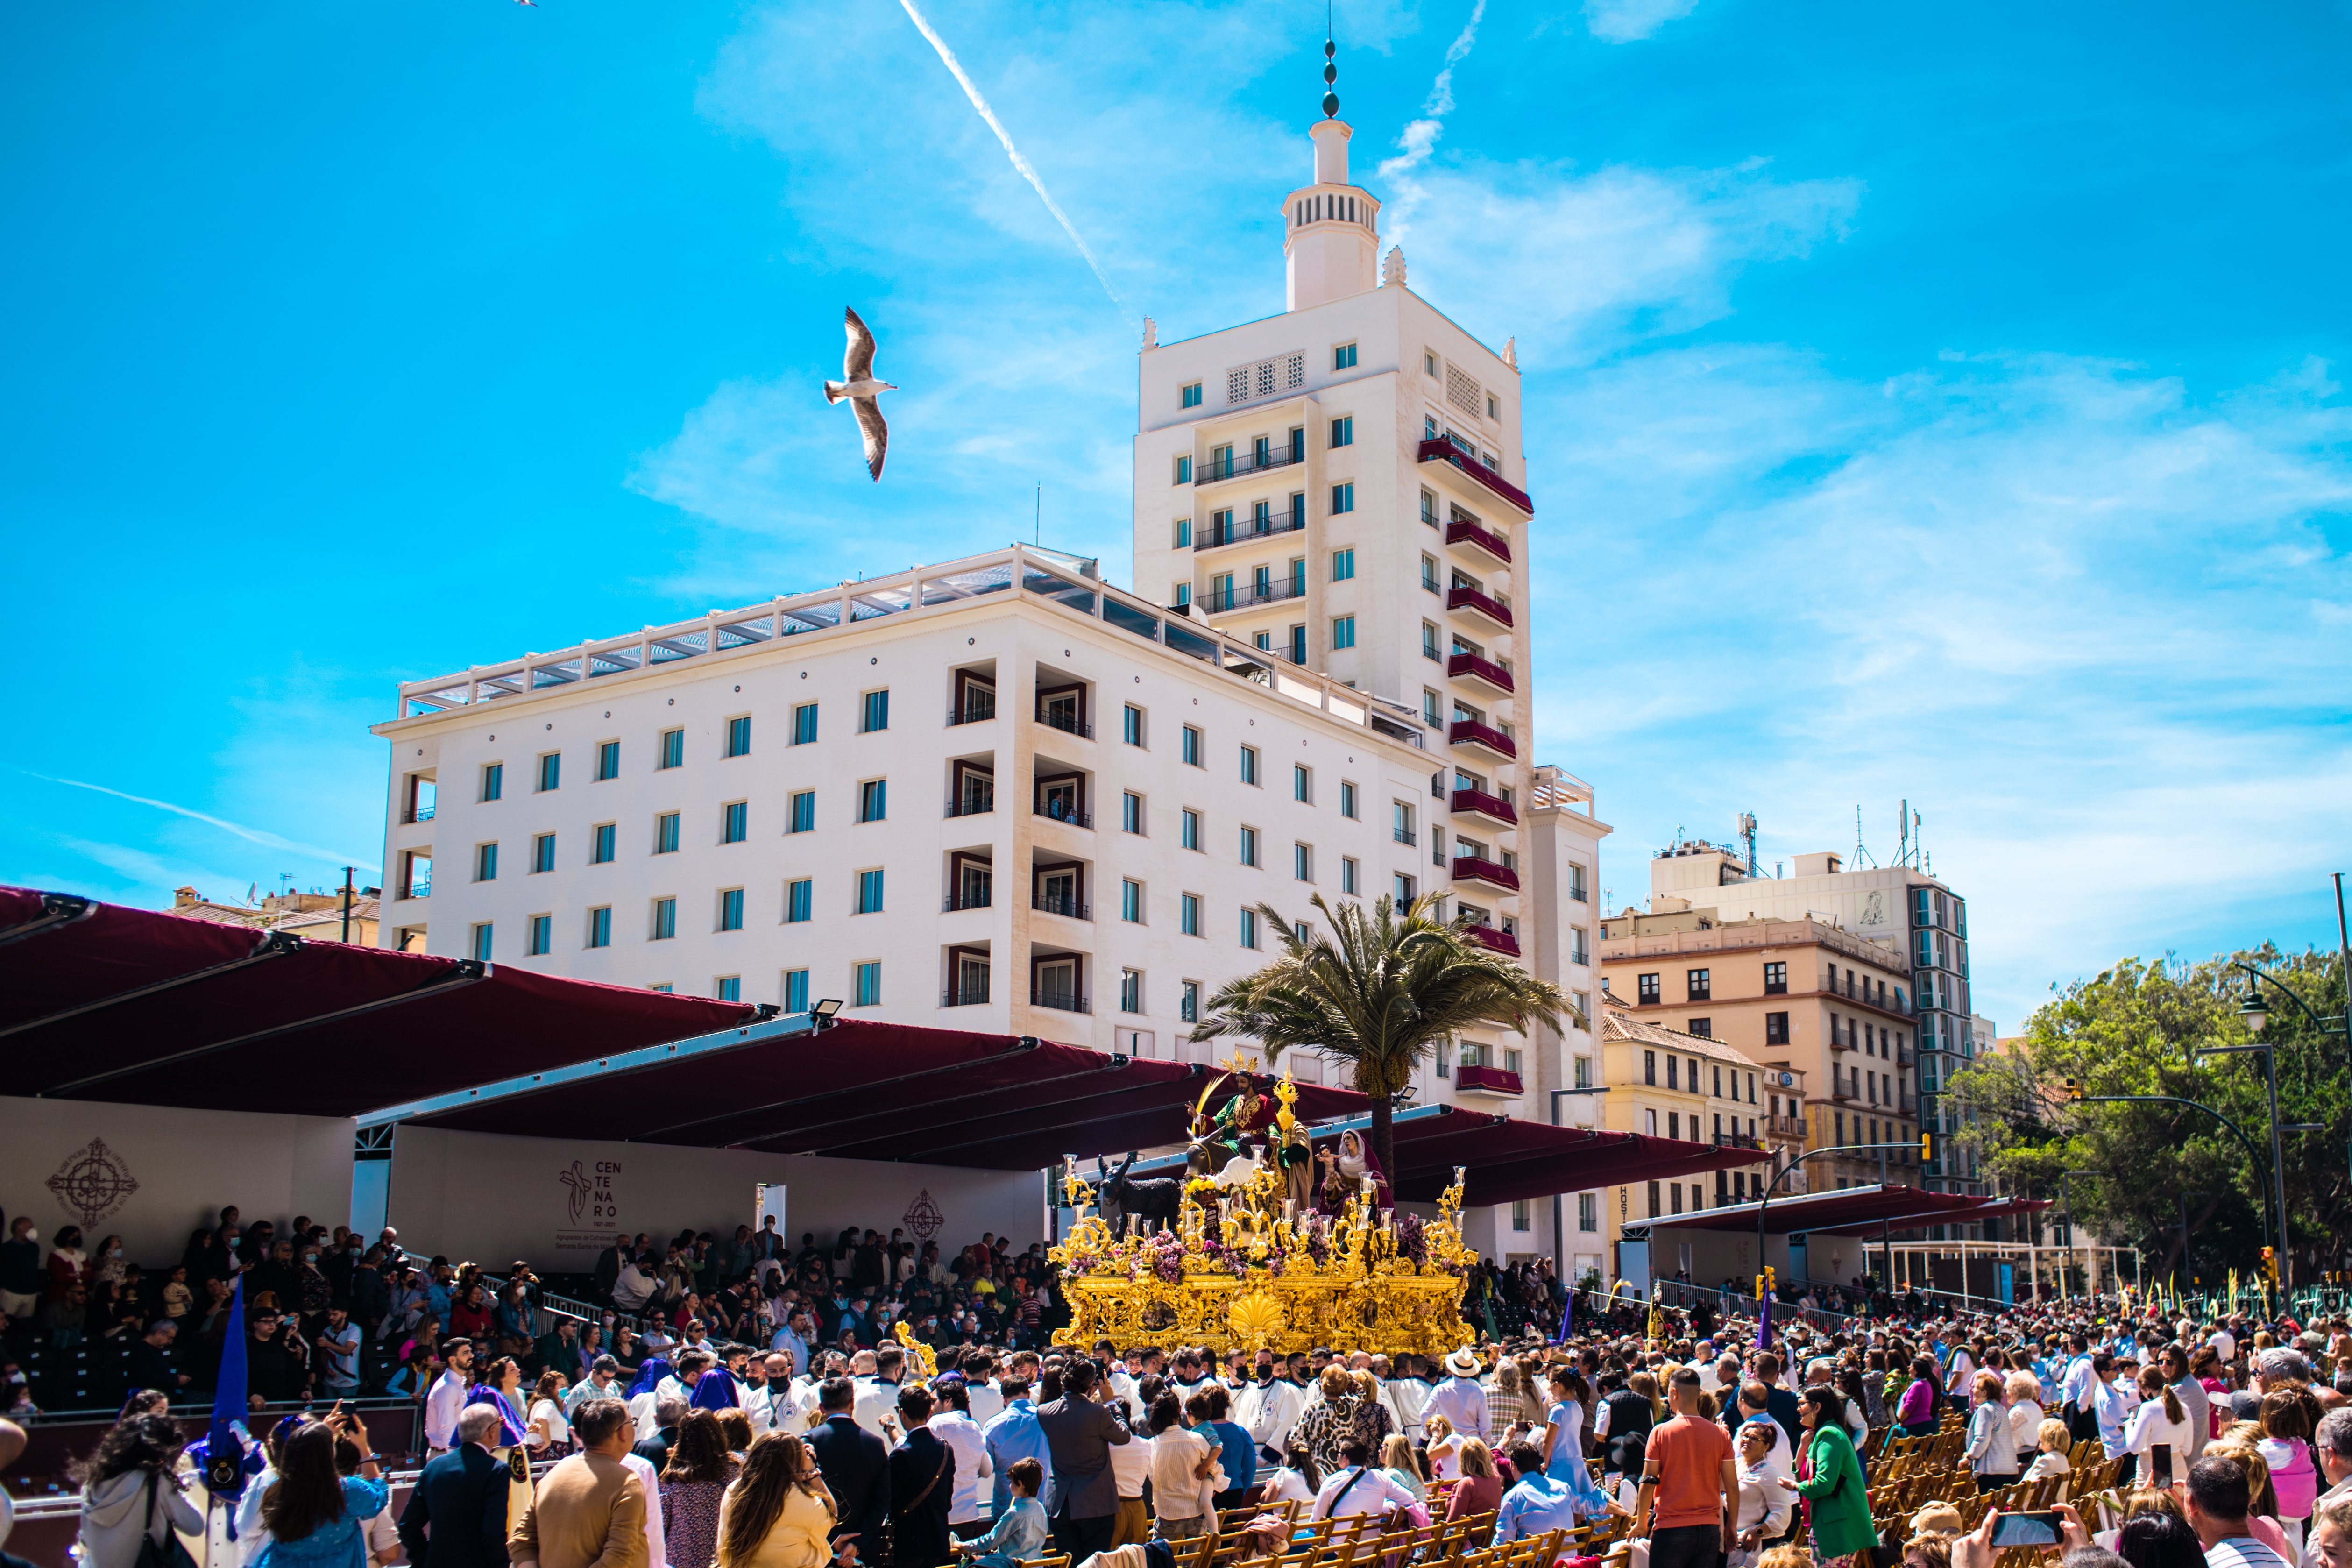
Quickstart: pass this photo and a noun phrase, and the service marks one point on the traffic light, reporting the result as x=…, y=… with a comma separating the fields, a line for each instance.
x=2270, y=1264
x=1927, y=1147
x=2074, y=1092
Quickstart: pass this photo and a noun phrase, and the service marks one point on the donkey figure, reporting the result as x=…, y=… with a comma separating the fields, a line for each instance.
x=1154, y=1198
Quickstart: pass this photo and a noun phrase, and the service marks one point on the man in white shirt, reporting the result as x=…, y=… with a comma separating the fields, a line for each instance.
x=1460, y=1398
x=2224, y=1343
x=1357, y=1489
x=1402, y=1392
x=877, y=1396
x=446, y=1398
x=1268, y=1410
x=632, y=1289
x=979, y=1382
x=969, y=1510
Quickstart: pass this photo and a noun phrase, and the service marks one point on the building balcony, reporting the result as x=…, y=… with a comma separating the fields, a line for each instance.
x=1052, y=812
x=1245, y=530
x=1843, y=1042
x=1484, y=671
x=1443, y=451
x=1215, y=470
x=1069, y=909
x=973, y=806
x=1462, y=530
x=1067, y=723
x=1060, y=1001
x=1494, y=938
x=965, y=996
x=1490, y=1081
x=1470, y=733
x=1478, y=803
x=1486, y=606
x=1844, y=1091
x=1905, y=1056
x=1247, y=595
x=1471, y=869
x=973, y=710
x=955, y=902
x=1736, y=1141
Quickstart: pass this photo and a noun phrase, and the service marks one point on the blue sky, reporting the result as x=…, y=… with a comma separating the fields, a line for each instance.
x=1941, y=406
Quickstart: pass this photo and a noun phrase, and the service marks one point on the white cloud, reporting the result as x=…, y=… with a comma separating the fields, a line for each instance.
x=1627, y=21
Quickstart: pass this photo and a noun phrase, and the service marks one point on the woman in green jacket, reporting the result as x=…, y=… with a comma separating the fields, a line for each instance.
x=1840, y=1511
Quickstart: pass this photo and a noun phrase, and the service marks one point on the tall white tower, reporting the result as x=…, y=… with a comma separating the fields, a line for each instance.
x=1332, y=235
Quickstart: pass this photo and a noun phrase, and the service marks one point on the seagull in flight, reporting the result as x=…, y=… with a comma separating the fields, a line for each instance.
x=858, y=386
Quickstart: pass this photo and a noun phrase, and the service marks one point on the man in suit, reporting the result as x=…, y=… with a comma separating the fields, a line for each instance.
x=590, y=1510
x=1081, y=1493
x=457, y=1517
x=922, y=1486
x=668, y=1411
x=855, y=1466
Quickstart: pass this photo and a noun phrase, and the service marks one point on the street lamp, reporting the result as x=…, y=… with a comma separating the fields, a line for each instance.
x=1559, y=1236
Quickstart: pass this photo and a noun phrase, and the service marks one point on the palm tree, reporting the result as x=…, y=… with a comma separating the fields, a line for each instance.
x=1383, y=991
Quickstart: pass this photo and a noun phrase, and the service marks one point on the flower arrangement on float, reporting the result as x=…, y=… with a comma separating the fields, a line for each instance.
x=1244, y=1268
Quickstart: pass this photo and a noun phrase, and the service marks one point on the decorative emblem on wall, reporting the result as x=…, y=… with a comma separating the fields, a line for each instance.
x=923, y=1217
x=577, y=1180
x=93, y=1182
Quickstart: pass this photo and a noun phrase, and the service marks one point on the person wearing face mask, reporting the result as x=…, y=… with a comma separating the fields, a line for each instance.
x=20, y=1270
x=68, y=1264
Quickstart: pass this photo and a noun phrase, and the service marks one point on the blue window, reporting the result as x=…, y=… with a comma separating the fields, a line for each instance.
x=869, y=985
x=874, y=800
x=1131, y=991
x=795, y=990
x=803, y=817
x=608, y=761
x=486, y=862
x=805, y=724
x=494, y=780
x=731, y=910
x=1184, y=469
x=1131, y=726
x=1343, y=631
x=1302, y=863
x=735, y=822
x=1189, y=914
x=1130, y=812
x=1343, y=565
x=1131, y=902
x=739, y=737
x=603, y=841
x=1192, y=745
x=482, y=941
x=1343, y=429
x=673, y=750
x=1249, y=846
x=541, y=933
x=1190, y=832
x=1183, y=533
x=1249, y=928
x=730, y=988
x=1347, y=798
x=600, y=927
x=1344, y=357
x=798, y=897
x=877, y=712
x=1343, y=499
x=1188, y=395
x=869, y=893
x=542, y=852
x=550, y=769
x=1249, y=764
x=665, y=918
x=666, y=834
x=1302, y=782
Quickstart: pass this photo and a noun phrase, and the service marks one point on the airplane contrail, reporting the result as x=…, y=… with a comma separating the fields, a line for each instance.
x=1420, y=138
x=252, y=834
x=947, y=58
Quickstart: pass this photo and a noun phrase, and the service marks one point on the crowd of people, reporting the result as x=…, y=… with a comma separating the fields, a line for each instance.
x=737, y=1403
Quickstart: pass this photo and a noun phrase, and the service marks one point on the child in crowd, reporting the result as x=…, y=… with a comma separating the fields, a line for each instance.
x=1020, y=1529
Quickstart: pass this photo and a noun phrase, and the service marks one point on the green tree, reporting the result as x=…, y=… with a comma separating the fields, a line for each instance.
x=1381, y=993
x=2132, y=1030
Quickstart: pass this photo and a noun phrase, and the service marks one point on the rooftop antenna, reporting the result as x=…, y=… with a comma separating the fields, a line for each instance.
x=1861, y=856
x=1747, y=831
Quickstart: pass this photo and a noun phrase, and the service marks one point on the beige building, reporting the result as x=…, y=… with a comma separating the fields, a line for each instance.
x=316, y=917
x=1666, y=1082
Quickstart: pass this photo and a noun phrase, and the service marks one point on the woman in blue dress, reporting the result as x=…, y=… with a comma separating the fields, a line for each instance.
x=313, y=1516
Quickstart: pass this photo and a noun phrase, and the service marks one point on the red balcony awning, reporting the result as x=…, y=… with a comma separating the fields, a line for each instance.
x=1441, y=451
x=1855, y=1211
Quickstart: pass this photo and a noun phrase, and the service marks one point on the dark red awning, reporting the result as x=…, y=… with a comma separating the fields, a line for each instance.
x=101, y=1001
x=1855, y=1211
x=1508, y=1159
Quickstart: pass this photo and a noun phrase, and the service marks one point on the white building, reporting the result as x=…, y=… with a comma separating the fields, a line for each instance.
x=1317, y=688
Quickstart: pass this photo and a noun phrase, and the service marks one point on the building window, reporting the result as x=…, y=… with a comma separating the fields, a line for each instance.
x=731, y=910
x=486, y=862
x=1648, y=985
x=1776, y=980
x=869, y=891
x=1429, y=650
x=1429, y=582
x=1249, y=928
x=1249, y=846
x=494, y=778
x=738, y=736
x=1188, y=1001
x=550, y=769
x=600, y=926
x=1193, y=746
x=868, y=990
x=1188, y=395
x=608, y=761
x=875, y=712
x=666, y=834
x=1650, y=1068
x=1302, y=863
x=1189, y=914
x=1249, y=764
x=1429, y=506
x=540, y=935
x=1672, y=1064
x=1347, y=798
x=1576, y=883
x=1130, y=904
x=728, y=988
x=1404, y=886
x=796, y=991
x=1343, y=358
x=482, y=942
x=671, y=752
x=1699, y=985
x=1343, y=565
x=734, y=822
x=1587, y=1211
x=1428, y=363
x=1131, y=726
x=803, y=811
x=1347, y=873
x=800, y=897
x=1776, y=1028
x=1343, y=499
x=1190, y=837
x=603, y=843
x=1131, y=991
x=1130, y=812
x=1704, y=1029
x=1522, y=1215
x=1302, y=781
x=874, y=800
x=542, y=853
x=1343, y=632
x=665, y=918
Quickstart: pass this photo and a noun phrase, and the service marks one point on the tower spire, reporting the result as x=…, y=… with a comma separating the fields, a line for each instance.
x=1331, y=67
